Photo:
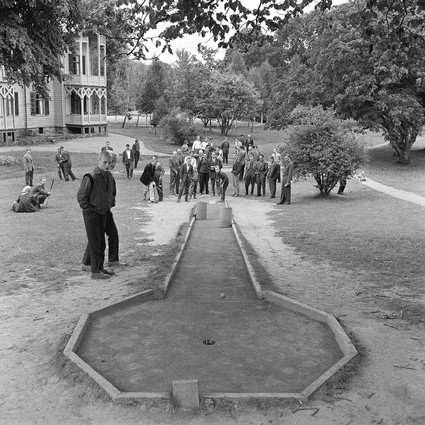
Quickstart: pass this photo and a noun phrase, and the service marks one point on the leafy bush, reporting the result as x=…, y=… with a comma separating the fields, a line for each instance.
x=322, y=145
x=177, y=128
x=9, y=160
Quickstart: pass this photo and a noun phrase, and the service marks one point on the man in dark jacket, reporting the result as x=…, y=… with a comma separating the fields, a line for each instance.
x=39, y=192
x=111, y=232
x=148, y=179
x=96, y=196
x=128, y=161
x=287, y=171
x=136, y=152
x=59, y=161
x=225, y=146
x=67, y=165
x=204, y=173
x=273, y=176
x=25, y=202
x=260, y=175
x=186, y=174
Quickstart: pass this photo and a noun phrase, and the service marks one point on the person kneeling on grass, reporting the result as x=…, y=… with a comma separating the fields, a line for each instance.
x=26, y=202
x=39, y=192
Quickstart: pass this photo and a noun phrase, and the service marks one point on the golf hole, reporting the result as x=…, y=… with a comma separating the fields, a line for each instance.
x=209, y=341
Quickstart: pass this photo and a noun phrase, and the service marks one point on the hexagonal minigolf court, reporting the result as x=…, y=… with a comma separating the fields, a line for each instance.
x=216, y=325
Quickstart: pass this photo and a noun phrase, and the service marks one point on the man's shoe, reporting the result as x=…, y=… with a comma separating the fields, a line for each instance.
x=99, y=275
x=85, y=268
x=279, y=203
x=178, y=199
x=109, y=272
x=187, y=200
x=154, y=202
x=116, y=264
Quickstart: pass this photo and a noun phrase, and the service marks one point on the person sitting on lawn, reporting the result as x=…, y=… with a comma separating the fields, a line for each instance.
x=25, y=202
x=39, y=192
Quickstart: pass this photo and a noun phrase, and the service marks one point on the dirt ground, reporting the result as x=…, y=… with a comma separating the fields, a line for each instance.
x=41, y=301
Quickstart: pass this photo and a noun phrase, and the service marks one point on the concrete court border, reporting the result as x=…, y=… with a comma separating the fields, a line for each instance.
x=342, y=339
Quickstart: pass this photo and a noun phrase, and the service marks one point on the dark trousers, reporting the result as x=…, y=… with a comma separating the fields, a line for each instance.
x=223, y=190
x=261, y=184
x=184, y=187
x=159, y=188
x=193, y=188
x=203, y=182
x=272, y=186
x=136, y=158
x=174, y=183
x=241, y=173
x=29, y=175
x=67, y=172
x=129, y=170
x=95, y=229
x=249, y=180
x=226, y=157
x=285, y=194
x=342, y=184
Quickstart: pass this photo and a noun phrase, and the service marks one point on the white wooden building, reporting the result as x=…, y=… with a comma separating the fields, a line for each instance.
x=75, y=105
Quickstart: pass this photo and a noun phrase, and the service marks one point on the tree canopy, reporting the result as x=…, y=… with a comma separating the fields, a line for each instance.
x=34, y=34
x=33, y=37
x=369, y=72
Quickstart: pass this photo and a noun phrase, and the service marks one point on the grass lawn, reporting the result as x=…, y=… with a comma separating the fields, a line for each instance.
x=265, y=139
x=384, y=168
x=375, y=235
x=49, y=243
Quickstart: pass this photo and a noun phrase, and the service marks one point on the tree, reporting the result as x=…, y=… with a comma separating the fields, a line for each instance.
x=353, y=59
x=34, y=36
x=157, y=85
x=229, y=97
x=380, y=70
x=322, y=145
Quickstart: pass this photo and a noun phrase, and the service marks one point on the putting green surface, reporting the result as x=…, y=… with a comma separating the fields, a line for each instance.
x=256, y=346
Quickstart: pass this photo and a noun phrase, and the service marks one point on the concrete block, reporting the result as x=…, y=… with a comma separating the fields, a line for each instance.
x=225, y=217
x=186, y=393
x=201, y=210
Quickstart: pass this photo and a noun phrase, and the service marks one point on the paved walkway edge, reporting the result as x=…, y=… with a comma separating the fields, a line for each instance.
x=396, y=193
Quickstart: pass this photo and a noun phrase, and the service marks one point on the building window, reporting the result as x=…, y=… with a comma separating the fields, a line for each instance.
x=1, y=107
x=39, y=105
x=95, y=104
x=16, y=104
x=94, y=61
x=9, y=105
x=86, y=105
x=103, y=105
x=74, y=64
x=102, y=60
x=75, y=104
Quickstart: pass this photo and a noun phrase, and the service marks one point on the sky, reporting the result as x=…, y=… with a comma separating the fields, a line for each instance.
x=190, y=42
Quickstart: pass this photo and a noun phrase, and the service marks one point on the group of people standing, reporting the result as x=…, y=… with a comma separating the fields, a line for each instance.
x=199, y=171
